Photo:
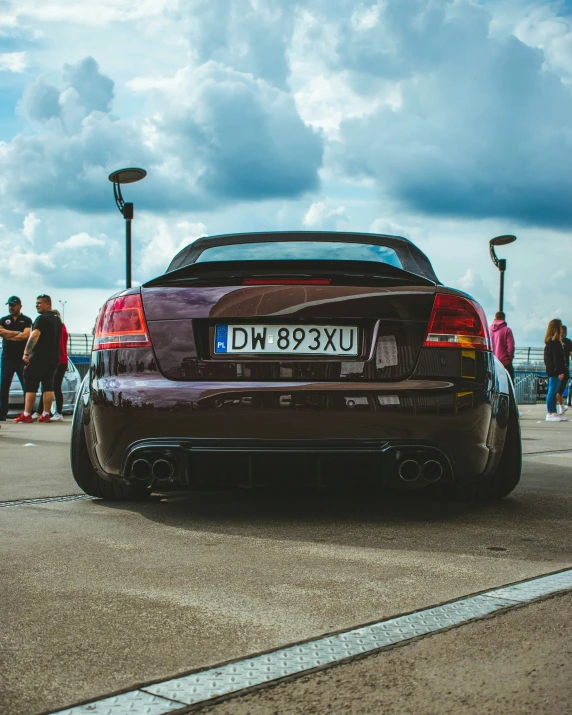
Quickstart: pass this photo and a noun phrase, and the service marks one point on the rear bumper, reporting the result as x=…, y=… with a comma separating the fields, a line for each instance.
x=365, y=421
x=210, y=463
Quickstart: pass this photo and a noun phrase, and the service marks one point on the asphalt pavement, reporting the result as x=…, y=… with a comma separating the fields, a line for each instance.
x=98, y=597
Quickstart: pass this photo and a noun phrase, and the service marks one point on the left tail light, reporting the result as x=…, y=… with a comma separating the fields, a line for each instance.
x=122, y=324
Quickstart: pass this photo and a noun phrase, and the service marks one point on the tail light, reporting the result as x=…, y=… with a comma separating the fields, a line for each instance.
x=121, y=324
x=457, y=322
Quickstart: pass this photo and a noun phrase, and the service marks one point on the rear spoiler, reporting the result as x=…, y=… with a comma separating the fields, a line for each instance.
x=340, y=273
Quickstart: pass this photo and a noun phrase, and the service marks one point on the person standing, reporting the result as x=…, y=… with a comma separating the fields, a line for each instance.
x=503, y=342
x=15, y=331
x=41, y=355
x=555, y=368
x=567, y=345
x=58, y=415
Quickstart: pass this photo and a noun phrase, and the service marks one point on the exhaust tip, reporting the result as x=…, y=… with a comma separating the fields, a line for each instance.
x=409, y=470
x=163, y=469
x=432, y=470
x=141, y=469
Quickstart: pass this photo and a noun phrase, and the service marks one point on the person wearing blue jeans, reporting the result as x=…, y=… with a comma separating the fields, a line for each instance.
x=555, y=363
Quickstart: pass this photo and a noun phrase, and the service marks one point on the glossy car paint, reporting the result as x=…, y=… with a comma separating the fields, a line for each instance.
x=180, y=397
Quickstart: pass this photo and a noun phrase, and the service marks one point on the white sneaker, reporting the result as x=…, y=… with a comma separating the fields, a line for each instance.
x=36, y=415
x=56, y=417
x=553, y=417
x=563, y=409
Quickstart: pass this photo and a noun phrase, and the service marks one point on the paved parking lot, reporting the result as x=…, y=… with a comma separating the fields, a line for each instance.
x=99, y=597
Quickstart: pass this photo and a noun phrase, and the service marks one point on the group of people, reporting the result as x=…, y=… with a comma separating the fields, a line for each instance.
x=557, y=352
x=35, y=351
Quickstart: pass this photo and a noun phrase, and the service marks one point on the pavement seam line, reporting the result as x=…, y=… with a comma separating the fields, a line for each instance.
x=230, y=679
x=44, y=500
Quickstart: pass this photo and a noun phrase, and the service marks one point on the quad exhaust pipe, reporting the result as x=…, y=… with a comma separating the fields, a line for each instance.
x=410, y=470
x=161, y=469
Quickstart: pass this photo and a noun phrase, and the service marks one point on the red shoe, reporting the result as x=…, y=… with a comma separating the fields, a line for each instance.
x=44, y=418
x=24, y=418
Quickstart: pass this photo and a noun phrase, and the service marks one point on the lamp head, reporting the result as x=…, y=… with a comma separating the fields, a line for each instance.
x=127, y=176
x=502, y=240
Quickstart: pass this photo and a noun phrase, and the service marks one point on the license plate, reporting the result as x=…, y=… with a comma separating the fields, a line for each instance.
x=286, y=339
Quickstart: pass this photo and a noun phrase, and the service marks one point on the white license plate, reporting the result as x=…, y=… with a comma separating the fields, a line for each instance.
x=286, y=339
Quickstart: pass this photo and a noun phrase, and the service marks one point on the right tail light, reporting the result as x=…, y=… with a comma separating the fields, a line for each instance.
x=457, y=322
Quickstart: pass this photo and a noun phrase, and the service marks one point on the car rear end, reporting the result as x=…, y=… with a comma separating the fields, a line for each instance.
x=265, y=373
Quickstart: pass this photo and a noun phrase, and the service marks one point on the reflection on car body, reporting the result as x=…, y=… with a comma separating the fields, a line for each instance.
x=186, y=390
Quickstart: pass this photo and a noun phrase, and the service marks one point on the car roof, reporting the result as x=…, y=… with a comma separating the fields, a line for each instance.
x=412, y=258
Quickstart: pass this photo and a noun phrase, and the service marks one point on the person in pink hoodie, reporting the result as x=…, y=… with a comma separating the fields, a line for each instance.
x=503, y=342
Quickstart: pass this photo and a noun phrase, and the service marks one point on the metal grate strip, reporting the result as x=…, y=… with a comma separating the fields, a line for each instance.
x=44, y=500
x=234, y=677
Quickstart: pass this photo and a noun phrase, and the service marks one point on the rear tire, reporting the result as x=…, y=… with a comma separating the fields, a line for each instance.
x=507, y=475
x=85, y=475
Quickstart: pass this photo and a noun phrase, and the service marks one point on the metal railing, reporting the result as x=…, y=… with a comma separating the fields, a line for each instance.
x=526, y=388
x=524, y=358
x=79, y=344
x=529, y=359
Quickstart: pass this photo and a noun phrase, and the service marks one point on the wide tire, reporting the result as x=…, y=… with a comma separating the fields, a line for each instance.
x=507, y=475
x=85, y=475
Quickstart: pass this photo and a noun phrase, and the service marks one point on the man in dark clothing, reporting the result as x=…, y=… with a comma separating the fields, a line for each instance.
x=15, y=331
x=567, y=345
x=41, y=355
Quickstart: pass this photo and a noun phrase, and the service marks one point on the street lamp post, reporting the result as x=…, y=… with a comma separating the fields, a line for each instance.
x=63, y=304
x=500, y=263
x=126, y=176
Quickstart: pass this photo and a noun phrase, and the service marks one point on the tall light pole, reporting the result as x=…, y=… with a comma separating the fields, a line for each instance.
x=500, y=263
x=126, y=176
x=63, y=304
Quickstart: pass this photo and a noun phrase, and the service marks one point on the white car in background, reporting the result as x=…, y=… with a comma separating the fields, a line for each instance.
x=70, y=386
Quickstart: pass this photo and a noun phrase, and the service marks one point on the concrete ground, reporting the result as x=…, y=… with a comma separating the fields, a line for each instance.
x=98, y=596
x=516, y=663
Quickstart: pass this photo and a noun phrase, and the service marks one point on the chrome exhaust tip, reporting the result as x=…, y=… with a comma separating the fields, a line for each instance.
x=432, y=470
x=141, y=469
x=409, y=470
x=162, y=469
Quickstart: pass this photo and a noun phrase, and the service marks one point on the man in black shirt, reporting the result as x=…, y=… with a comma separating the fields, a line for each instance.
x=41, y=355
x=567, y=345
x=15, y=331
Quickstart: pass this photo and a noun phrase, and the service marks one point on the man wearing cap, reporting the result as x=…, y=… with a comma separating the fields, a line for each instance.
x=15, y=331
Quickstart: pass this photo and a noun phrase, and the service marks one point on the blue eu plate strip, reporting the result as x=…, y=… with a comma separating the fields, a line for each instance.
x=221, y=338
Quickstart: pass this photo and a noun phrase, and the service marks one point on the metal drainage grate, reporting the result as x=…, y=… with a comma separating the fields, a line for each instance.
x=44, y=500
x=229, y=679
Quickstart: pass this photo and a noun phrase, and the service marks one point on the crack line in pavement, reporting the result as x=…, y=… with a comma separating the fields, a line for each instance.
x=549, y=451
x=44, y=500
x=230, y=679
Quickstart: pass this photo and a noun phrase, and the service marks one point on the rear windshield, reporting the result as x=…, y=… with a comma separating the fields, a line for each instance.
x=300, y=250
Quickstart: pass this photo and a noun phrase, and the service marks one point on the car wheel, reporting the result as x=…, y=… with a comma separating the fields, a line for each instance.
x=85, y=475
x=507, y=475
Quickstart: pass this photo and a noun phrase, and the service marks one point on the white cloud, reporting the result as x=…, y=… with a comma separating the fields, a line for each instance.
x=31, y=223
x=13, y=61
x=323, y=215
x=165, y=242
x=90, y=12
x=79, y=240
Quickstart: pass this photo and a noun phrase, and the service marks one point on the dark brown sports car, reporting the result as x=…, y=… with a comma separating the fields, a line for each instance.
x=295, y=358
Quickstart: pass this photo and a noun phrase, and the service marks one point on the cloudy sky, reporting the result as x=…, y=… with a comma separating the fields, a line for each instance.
x=445, y=121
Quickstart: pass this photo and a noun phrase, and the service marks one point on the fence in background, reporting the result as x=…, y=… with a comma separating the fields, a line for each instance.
x=526, y=388
x=530, y=377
